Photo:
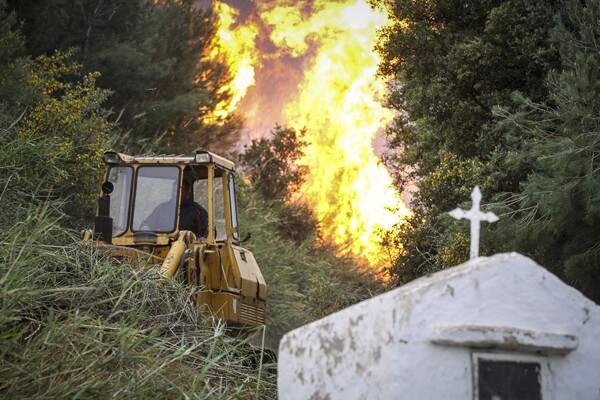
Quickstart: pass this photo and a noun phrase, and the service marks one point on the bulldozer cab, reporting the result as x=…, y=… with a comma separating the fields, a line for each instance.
x=148, y=197
x=180, y=212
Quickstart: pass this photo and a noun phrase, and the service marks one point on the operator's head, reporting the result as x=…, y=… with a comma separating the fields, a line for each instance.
x=187, y=194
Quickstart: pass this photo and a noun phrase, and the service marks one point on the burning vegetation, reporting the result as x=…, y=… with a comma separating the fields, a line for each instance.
x=313, y=68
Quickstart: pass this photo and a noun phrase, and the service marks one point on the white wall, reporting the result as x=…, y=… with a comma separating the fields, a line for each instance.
x=417, y=341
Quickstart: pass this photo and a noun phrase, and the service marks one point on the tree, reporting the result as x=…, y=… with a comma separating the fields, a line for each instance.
x=272, y=163
x=449, y=63
x=556, y=214
x=272, y=166
x=71, y=115
x=53, y=121
x=15, y=93
x=152, y=55
x=431, y=240
x=455, y=60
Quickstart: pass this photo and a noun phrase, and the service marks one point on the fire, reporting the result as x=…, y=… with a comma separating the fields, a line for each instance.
x=337, y=98
x=234, y=44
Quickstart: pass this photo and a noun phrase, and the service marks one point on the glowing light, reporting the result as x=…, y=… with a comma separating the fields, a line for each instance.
x=337, y=99
x=236, y=45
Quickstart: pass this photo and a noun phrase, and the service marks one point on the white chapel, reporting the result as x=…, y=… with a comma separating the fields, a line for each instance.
x=495, y=328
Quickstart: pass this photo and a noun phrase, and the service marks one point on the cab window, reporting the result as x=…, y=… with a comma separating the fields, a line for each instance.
x=156, y=199
x=120, y=177
x=219, y=200
x=233, y=206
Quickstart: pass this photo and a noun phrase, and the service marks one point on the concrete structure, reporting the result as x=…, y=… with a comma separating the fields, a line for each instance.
x=488, y=328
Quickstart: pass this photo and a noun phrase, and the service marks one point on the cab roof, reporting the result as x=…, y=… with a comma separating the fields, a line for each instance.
x=201, y=157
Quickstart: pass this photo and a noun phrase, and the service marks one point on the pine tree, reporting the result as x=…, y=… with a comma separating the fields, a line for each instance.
x=15, y=93
x=152, y=55
x=51, y=118
x=449, y=63
x=557, y=212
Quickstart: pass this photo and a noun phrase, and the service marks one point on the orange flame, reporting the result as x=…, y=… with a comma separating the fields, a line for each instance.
x=235, y=46
x=337, y=100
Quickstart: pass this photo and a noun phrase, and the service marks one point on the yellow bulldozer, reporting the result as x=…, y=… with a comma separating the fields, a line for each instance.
x=180, y=212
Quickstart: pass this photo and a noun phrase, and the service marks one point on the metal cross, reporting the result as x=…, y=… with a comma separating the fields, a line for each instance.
x=476, y=216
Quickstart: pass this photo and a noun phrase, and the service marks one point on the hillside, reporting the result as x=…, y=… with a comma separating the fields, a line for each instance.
x=75, y=324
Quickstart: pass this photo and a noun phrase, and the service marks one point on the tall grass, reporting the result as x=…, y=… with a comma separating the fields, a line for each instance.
x=306, y=280
x=74, y=324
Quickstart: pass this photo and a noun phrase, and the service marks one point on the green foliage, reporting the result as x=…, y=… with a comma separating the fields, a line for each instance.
x=338, y=285
x=431, y=240
x=45, y=102
x=73, y=324
x=536, y=153
x=453, y=62
x=450, y=183
x=12, y=44
x=557, y=210
x=271, y=165
x=305, y=280
x=15, y=93
x=71, y=114
x=153, y=56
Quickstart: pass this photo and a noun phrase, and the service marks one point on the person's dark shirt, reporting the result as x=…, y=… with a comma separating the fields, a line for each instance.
x=193, y=217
